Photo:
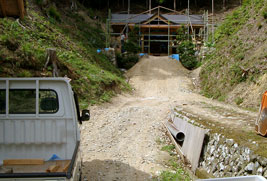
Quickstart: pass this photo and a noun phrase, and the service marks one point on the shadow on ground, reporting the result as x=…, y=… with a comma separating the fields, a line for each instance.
x=111, y=170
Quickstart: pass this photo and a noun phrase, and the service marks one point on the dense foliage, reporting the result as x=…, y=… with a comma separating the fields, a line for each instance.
x=186, y=49
x=131, y=45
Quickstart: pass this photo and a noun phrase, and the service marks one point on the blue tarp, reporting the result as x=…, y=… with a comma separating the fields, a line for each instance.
x=54, y=157
x=175, y=56
x=142, y=54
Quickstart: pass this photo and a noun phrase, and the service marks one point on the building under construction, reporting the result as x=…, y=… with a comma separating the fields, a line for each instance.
x=158, y=30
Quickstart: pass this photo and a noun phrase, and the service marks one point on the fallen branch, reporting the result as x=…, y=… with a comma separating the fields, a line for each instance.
x=23, y=27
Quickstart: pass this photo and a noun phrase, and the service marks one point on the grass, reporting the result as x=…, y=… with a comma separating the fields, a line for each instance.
x=177, y=171
x=23, y=53
x=236, y=48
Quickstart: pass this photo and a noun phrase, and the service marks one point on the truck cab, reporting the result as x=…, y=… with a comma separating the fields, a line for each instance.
x=39, y=129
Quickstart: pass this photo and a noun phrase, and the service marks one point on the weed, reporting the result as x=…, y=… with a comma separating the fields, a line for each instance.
x=158, y=141
x=168, y=148
x=259, y=25
x=264, y=14
x=25, y=73
x=239, y=100
x=222, y=98
x=52, y=12
x=39, y=2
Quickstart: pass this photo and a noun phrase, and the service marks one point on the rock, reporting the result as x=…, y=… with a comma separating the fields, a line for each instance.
x=235, y=169
x=250, y=167
x=229, y=142
x=256, y=166
x=241, y=172
x=235, y=145
x=212, y=148
x=259, y=171
x=265, y=174
x=228, y=174
x=221, y=166
x=262, y=161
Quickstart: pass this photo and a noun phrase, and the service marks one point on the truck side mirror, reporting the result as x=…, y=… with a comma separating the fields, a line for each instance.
x=85, y=115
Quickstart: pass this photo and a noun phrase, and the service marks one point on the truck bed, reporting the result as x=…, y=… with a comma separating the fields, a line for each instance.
x=43, y=168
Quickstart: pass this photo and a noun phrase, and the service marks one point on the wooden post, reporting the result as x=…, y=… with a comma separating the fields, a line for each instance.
x=3, y=7
x=149, y=6
x=224, y=5
x=21, y=8
x=143, y=43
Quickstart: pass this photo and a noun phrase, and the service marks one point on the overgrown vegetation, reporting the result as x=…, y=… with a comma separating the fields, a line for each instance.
x=238, y=61
x=186, y=50
x=23, y=51
x=177, y=171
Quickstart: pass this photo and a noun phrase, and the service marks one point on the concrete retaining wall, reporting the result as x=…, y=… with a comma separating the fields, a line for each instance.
x=223, y=157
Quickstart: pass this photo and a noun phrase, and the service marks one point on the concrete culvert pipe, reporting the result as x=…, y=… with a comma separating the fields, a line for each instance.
x=178, y=135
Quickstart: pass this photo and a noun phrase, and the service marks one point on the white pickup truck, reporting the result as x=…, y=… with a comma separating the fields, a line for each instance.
x=39, y=129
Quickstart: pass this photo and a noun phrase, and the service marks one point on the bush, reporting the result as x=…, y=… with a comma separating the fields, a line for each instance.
x=186, y=50
x=52, y=12
x=187, y=55
x=132, y=43
x=126, y=61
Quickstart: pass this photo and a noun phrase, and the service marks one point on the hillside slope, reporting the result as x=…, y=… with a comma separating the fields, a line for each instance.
x=236, y=71
x=75, y=37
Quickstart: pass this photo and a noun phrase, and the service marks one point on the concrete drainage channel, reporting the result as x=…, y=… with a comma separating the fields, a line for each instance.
x=217, y=155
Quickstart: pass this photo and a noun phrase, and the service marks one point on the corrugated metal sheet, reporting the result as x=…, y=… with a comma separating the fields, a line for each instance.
x=176, y=19
x=129, y=18
x=183, y=19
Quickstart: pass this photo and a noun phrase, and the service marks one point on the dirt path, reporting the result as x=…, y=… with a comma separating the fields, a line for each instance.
x=119, y=142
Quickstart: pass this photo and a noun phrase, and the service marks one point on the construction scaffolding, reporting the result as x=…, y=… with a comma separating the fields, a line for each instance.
x=157, y=32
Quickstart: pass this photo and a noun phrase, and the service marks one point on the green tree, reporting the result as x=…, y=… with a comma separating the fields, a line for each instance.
x=186, y=49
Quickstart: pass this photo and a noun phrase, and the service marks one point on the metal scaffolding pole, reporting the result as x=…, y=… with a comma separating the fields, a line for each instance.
x=212, y=28
x=149, y=41
x=188, y=31
x=168, y=38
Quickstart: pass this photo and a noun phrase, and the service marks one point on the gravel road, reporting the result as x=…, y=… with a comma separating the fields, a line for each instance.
x=119, y=142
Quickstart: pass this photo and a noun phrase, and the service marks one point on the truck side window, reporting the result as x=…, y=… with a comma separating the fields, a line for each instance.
x=2, y=101
x=48, y=101
x=22, y=101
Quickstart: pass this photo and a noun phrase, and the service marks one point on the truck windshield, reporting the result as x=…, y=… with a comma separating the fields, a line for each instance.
x=2, y=101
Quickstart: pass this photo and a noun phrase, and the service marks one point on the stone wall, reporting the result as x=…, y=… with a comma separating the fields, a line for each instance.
x=225, y=158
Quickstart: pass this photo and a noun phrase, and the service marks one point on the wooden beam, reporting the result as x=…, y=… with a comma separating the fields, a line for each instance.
x=66, y=167
x=3, y=7
x=53, y=168
x=23, y=162
x=153, y=18
x=163, y=26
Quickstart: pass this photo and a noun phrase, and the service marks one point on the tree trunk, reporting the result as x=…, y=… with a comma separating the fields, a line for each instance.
x=174, y=5
x=224, y=5
x=51, y=57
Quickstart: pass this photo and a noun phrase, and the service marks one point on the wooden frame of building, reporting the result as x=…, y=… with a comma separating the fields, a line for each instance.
x=157, y=31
